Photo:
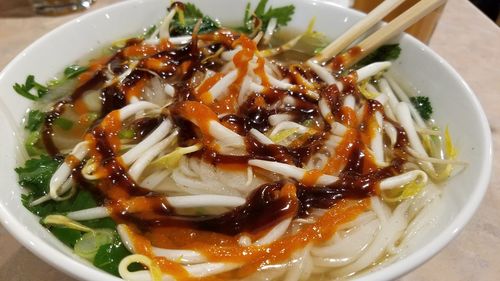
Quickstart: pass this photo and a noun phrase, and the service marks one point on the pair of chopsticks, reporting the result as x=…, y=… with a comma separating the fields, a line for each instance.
x=376, y=39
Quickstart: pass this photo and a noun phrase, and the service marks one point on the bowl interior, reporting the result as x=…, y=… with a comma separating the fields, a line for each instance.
x=454, y=104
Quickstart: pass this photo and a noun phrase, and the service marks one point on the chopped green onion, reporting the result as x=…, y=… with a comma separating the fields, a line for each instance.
x=149, y=32
x=30, y=144
x=284, y=134
x=126, y=134
x=54, y=82
x=88, y=245
x=63, y=123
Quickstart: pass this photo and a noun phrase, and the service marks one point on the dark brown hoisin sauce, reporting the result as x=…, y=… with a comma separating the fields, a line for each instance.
x=112, y=98
x=352, y=184
x=115, y=96
x=254, y=114
x=116, y=173
x=272, y=152
x=266, y=205
x=263, y=208
x=142, y=127
x=57, y=110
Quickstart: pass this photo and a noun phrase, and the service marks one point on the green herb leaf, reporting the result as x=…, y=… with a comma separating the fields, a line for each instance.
x=423, y=105
x=66, y=235
x=191, y=11
x=149, y=32
x=74, y=70
x=246, y=18
x=282, y=14
x=108, y=257
x=25, y=89
x=35, y=120
x=100, y=223
x=41, y=210
x=383, y=53
x=191, y=15
x=126, y=134
x=36, y=174
x=63, y=123
x=82, y=200
x=260, y=9
x=31, y=144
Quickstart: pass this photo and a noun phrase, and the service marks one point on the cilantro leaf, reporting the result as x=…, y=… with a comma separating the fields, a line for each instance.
x=74, y=70
x=66, y=235
x=83, y=200
x=40, y=210
x=30, y=84
x=260, y=9
x=192, y=11
x=282, y=14
x=108, y=257
x=100, y=223
x=36, y=174
x=34, y=120
x=185, y=20
x=383, y=53
x=423, y=105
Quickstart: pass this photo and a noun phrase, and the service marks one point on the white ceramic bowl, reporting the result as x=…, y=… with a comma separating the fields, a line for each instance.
x=454, y=104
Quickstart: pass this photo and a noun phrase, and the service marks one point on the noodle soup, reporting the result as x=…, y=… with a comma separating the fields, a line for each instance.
x=197, y=151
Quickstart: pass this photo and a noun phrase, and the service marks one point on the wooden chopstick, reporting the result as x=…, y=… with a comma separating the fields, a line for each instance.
x=358, y=29
x=395, y=27
x=376, y=39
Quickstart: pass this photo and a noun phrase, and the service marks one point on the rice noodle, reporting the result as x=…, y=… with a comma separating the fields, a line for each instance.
x=275, y=233
x=262, y=152
x=159, y=133
x=290, y=171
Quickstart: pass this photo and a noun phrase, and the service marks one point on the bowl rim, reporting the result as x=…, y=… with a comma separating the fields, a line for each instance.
x=438, y=243
x=76, y=267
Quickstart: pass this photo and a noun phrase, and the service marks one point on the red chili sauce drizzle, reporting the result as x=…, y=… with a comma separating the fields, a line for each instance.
x=149, y=213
